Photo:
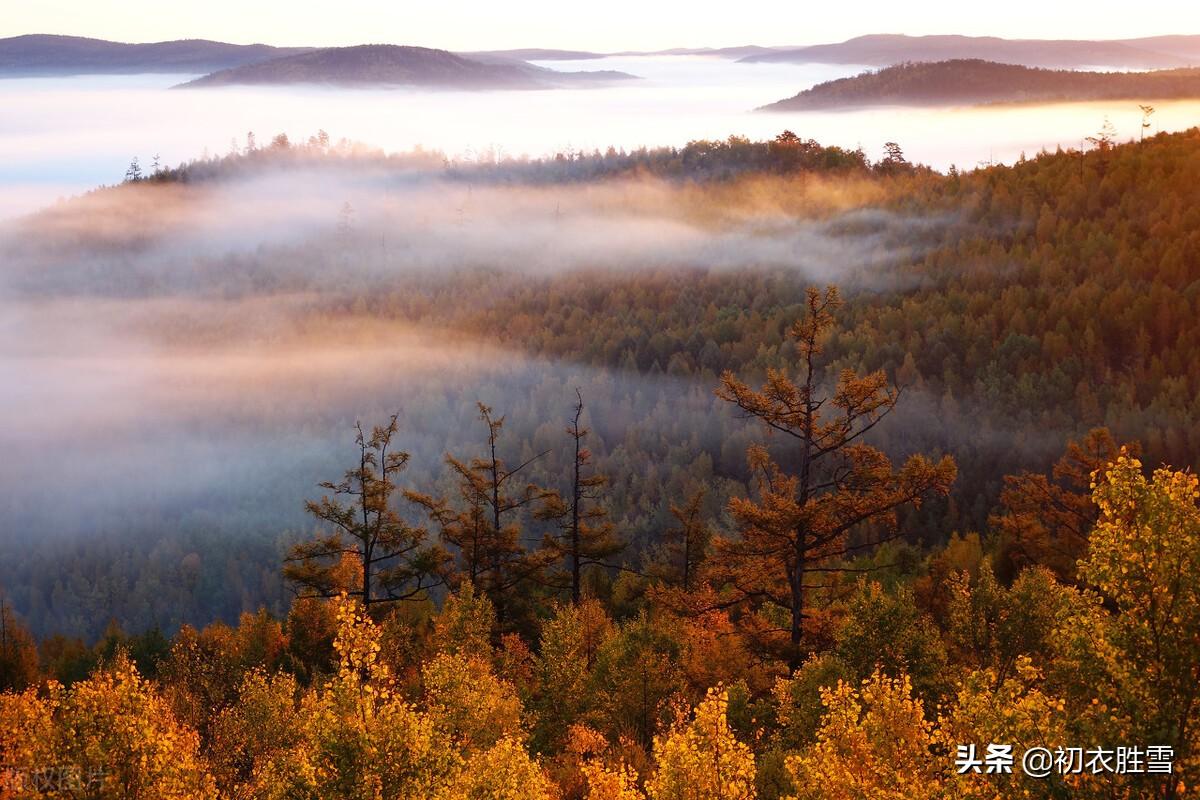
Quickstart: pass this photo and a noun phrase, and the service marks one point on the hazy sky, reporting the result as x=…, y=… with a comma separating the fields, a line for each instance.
x=610, y=25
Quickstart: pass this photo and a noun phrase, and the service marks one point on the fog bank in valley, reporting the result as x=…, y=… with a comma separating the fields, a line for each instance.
x=67, y=137
x=184, y=362
x=343, y=229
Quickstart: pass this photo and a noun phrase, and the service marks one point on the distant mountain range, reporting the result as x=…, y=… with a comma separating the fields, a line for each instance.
x=223, y=63
x=44, y=54
x=228, y=64
x=974, y=82
x=1159, y=52
x=394, y=65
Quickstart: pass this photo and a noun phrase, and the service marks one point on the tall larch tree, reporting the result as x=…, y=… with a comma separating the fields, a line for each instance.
x=676, y=566
x=687, y=542
x=485, y=526
x=584, y=535
x=797, y=527
x=388, y=558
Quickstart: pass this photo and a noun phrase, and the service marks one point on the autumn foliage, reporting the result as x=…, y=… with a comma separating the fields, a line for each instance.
x=803, y=651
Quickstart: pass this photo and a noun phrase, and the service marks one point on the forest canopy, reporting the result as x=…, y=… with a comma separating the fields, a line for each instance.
x=977, y=82
x=705, y=526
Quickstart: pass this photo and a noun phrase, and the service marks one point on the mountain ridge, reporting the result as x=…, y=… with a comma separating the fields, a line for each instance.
x=976, y=82
x=881, y=50
x=397, y=65
x=43, y=54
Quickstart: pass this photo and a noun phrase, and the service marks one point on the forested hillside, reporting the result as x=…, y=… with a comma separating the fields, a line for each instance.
x=45, y=54
x=1017, y=306
x=659, y=515
x=884, y=50
x=1059, y=295
x=540, y=677
x=395, y=65
x=975, y=82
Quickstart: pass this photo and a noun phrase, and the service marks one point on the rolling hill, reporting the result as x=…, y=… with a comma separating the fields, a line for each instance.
x=44, y=54
x=974, y=82
x=394, y=65
x=887, y=49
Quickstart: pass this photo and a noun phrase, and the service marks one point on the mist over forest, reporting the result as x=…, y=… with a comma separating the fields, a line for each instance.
x=382, y=422
x=194, y=351
x=194, y=348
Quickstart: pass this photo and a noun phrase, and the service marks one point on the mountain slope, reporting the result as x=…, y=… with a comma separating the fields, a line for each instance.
x=1180, y=45
x=394, y=65
x=888, y=49
x=975, y=81
x=44, y=54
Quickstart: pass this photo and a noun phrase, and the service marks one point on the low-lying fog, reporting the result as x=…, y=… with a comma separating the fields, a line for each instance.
x=181, y=364
x=59, y=136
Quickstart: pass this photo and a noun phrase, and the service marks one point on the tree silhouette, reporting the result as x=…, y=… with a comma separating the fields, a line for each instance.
x=388, y=558
x=1147, y=112
x=585, y=536
x=483, y=527
x=685, y=544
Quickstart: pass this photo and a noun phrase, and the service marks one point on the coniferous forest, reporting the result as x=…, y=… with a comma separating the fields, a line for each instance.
x=718, y=521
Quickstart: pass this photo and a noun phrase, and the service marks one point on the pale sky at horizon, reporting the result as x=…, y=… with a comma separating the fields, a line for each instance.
x=608, y=26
